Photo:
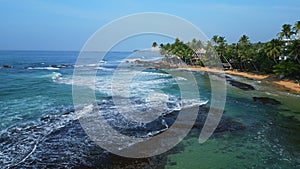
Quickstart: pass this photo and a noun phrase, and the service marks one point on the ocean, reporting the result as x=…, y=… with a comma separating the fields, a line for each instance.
x=39, y=127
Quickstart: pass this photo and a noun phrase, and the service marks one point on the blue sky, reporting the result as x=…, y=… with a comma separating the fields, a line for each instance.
x=67, y=24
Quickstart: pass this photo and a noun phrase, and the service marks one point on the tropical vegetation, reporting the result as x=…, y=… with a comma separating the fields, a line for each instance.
x=280, y=55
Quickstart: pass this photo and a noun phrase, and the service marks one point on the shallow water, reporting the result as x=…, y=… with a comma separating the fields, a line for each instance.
x=39, y=128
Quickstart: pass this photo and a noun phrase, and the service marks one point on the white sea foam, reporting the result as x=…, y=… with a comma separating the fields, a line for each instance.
x=43, y=68
x=181, y=78
x=104, y=68
x=56, y=76
x=87, y=65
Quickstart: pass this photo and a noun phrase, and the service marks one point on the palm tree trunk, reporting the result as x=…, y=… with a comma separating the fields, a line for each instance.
x=227, y=62
x=275, y=60
x=254, y=66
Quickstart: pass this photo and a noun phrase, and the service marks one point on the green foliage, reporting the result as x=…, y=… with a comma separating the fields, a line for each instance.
x=180, y=49
x=200, y=63
x=287, y=68
x=296, y=27
x=269, y=57
x=294, y=50
x=264, y=63
x=286, y=31
x=273, y=49
x=195, y=44
x=154, y=44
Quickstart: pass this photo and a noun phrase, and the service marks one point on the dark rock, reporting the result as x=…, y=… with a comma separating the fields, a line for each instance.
x=6, y=66
x=229, y=125
x=4, y=139
x=67, y=112
x=240, y=157
x=164, y=64
x=284, y=110
x=173, y=61
x=241, y=85
x=138, y=62
x=64, y=66
x=266, y=100
x=172, y=163
x=55, y=66
x=31, y=128
x=225, y=124
x=45, y=118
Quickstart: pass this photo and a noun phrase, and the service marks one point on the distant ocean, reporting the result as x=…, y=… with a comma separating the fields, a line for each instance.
x=39, y=129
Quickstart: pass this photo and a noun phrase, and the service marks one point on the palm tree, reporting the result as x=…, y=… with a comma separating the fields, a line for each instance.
x=273, y=49
x=222, y=45
x=243, y=45
x=296, y=28
x=215, y=38
x=154, y=44
x=244, y=40
x=195, y=45
x=244, y=51
x=286, y=31
x=294, y=49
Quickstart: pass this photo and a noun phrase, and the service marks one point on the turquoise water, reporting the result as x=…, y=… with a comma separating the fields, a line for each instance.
x=36, y=107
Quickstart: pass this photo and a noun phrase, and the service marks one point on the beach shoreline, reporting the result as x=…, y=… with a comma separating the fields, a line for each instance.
x=269, y=78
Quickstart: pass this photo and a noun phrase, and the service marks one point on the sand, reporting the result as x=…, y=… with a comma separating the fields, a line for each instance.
x=272, y=79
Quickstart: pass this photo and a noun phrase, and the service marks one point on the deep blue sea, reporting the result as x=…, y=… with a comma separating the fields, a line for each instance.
x=39, y=129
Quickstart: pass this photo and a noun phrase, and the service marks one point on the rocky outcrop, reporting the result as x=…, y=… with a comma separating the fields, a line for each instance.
x=175, y=61
x=266, y=100
x=241, y=85
x=6, y=66
x=165, y=63
x=155, y=65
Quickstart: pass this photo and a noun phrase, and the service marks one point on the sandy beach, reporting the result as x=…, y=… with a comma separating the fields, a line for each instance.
x=272, y=79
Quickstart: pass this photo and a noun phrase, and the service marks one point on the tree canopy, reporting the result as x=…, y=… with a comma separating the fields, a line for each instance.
x=280, y=56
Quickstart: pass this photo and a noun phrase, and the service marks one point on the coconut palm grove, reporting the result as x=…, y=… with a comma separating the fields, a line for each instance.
x=279, y=56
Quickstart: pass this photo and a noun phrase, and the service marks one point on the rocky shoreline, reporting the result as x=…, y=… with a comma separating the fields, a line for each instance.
x=70, y=147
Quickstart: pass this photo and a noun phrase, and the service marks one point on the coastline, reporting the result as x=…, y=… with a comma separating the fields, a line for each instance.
x=271, y=79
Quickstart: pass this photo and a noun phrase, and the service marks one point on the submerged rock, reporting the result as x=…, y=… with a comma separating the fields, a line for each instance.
x=241, y=85
x=225, y=124
x=6, y=66
x=266, y=100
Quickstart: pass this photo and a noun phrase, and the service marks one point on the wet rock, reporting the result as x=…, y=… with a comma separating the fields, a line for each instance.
x=31, y=128
x=64, y=65
x=4, y=139
x=55, y=66
x=241, y=85
x=266, y=100
x=225, y=124
x=240, y=157
x=172, y=163
x=158, y=65
x=173, y=61
x=229, y=125
x=6, y=66
x=45, y=118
